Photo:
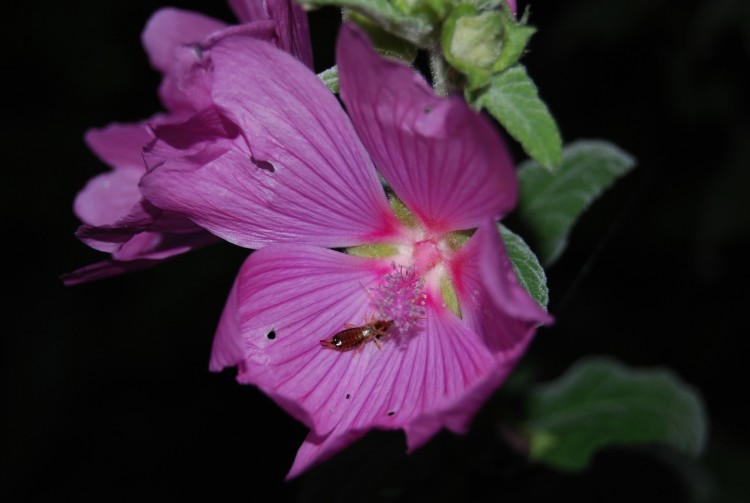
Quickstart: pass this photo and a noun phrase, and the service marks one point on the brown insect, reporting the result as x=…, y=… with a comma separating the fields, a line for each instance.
x=353, y=337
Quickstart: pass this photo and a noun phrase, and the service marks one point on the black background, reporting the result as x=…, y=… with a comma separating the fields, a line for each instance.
x=105, y=389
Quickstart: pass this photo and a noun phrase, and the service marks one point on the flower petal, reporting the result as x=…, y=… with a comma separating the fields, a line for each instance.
x=105, y=269
x=446, y=163
x=108, y=197
x=144, y=232
x=120, y=146
x=286, y=299
x=292, y=32
x=141, y=251
x=110, y=237
x=438, y=379
x=512, y=5
x=492, y=301
x=170, y=28
x=292, y=170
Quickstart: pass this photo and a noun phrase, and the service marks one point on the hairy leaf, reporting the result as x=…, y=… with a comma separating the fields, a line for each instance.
x=599, y=402
x=551, y=203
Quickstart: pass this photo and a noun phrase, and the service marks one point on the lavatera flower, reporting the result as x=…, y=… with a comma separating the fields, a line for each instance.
x=423, y=318
x=116, y=218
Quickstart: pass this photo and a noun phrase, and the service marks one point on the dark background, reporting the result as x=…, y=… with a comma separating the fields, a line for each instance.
x=105, y=389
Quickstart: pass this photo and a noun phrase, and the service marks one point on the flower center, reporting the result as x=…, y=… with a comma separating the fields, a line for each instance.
x=400, y=298
x=426, y=255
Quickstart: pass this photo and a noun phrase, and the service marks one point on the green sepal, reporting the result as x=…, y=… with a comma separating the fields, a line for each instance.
x=529, y=271
x=330, y=78
x=374, y=250
x=418, y=29
x=435, y=10
x=386, y=43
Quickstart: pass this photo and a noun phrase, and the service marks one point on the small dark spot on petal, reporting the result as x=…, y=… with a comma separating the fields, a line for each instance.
x=427, y=110
x=391, y=413
x=263, y=165
x=271, y=335
x=348, y=396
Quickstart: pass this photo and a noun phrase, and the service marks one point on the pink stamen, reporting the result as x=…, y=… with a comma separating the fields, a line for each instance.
x=400, y=298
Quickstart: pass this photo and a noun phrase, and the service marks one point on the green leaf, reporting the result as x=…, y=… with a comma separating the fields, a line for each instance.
x=599, y=402
x=513, y=100
x=528, y=270
x=416, y=28
x=551, y=203
x=330, y=78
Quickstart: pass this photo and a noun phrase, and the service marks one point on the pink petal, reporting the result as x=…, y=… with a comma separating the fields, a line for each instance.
x=294, y=171
x=105, y=269
x=292, y=32
x=171, y=28
x=512, y=5
x=492, y=301
x=227, y=349
x=174, y=40
x=111, y=237
x=439, y=379
x=154, y=245
x=301, y=295
x=448, y=164
x=120, y=146
x=141, y=251
x=108, y=197
x=127, y=237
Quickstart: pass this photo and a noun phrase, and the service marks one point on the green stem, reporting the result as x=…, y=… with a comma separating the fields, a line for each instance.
x=445, y=79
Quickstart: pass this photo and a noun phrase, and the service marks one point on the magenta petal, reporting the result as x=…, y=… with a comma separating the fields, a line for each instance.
x=120, y=145
x=439, y=379
x=108, y=197
x=292, y=32
x=171, y=28
x=294, y=171
x=492, y=301
x=227, y=349
x=105, y=269
x=448, y=164
x=286, y=299
x=110, y=237
x=141, y=251
x=512, y=5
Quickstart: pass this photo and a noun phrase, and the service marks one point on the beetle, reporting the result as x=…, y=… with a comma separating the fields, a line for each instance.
x=353, y=337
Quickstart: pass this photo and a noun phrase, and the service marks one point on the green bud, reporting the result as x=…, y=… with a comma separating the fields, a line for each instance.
x=481, y=43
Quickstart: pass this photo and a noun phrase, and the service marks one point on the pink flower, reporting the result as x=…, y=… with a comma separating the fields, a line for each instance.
x=512, y=5
x=276, y=164
x=117, y=219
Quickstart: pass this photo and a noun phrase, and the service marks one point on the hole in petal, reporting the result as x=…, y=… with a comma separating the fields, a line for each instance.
x=391, y=414
x=271, y=335
x=265, y=165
